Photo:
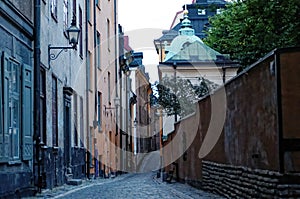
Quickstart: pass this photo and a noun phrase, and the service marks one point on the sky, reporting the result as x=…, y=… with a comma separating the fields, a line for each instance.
x=143, y=21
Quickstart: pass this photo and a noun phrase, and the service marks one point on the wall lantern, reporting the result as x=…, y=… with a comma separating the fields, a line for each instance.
x=73, y=33
x=124, y=65
x=117, y=104
x=125, y=62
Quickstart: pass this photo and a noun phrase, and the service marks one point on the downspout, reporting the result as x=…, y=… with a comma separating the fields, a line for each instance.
x=37, y=63
x=116, y=66
x=224, y=74
x=121, y=53
x=87, y=95
x=95, y=77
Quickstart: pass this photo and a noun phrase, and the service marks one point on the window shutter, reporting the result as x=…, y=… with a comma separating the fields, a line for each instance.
x=27, y=112
x=4, y=130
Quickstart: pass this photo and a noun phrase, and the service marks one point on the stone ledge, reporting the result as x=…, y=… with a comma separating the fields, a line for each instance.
x=74, y=182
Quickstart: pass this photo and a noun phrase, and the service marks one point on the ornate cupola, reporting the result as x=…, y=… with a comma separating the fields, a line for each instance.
x=186, y=26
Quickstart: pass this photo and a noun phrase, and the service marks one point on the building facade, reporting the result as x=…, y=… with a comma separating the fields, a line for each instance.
x=60, y=103
x=63, y=93
x=16, y=101
x=143, y=119
x=188, y=58
x=126, y=102
x=102, y=93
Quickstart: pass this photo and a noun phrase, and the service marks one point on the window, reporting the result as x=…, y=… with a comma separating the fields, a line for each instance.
x=43, y=105
x=12, y=108
x=16, y=81
x=108, y=88
x=81, y=33
x=99, y=104
x=98, y=51
x=53, y=8
x=54, y=112
x=88, y=65
x=201, y=12
x=108, y=34
x=65, y=16
x=219, y=11
x=88, y=10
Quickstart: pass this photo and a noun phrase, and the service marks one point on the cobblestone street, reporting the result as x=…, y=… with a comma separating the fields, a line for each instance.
x=144, y=185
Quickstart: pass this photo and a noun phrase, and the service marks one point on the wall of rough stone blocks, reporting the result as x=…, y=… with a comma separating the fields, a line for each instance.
x=244, y=182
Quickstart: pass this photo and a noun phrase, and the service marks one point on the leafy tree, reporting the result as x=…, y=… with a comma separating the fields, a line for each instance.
x=177, y=95
x=248, y=29
x=204, y=87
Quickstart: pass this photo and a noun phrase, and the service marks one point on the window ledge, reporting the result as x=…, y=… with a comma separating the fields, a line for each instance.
x=14, y=162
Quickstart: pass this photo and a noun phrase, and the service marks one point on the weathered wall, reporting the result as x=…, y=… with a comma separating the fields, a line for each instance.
x=243, y=182
x=290, y=95
x=250, y=129
x=246, y=159
x=25, y=7
x=16, y=45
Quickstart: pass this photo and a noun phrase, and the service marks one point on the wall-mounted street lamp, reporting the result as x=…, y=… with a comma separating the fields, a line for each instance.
x=124, y=66
x=117, y=104
x=72, y=34
x=125, y=62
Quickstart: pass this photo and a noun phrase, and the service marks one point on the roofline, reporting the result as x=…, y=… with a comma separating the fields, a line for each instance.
x=234, y=64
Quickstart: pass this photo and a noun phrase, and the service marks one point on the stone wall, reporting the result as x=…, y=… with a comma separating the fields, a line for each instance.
x=243, y=182
x=52, y=167
x=78, y=162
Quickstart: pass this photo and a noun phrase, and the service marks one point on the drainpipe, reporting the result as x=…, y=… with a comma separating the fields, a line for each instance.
x=224, y=74
x=116, y=67
x=95, y=80
x=121, y=53
x=175, y=75
x=87, y=95
x=37, y=63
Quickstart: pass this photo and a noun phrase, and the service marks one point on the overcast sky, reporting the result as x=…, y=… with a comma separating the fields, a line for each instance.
x=143, y=21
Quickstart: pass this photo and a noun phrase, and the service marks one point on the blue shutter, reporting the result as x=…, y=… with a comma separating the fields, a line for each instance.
x=4, y=139
x=27, y=112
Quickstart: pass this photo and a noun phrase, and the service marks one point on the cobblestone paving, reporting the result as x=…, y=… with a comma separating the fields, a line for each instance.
x=129, y=186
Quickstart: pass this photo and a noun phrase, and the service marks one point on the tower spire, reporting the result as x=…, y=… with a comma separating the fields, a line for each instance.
x=186, y=25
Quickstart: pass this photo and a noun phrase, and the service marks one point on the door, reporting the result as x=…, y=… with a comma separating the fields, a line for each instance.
x=67, y=126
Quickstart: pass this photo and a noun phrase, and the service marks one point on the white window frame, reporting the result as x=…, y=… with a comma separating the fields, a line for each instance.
x=201, y=12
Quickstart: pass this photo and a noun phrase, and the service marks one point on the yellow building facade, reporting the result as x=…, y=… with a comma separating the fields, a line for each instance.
x=102, y=56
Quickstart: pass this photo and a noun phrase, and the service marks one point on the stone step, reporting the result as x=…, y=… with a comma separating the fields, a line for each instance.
x=74, y=182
